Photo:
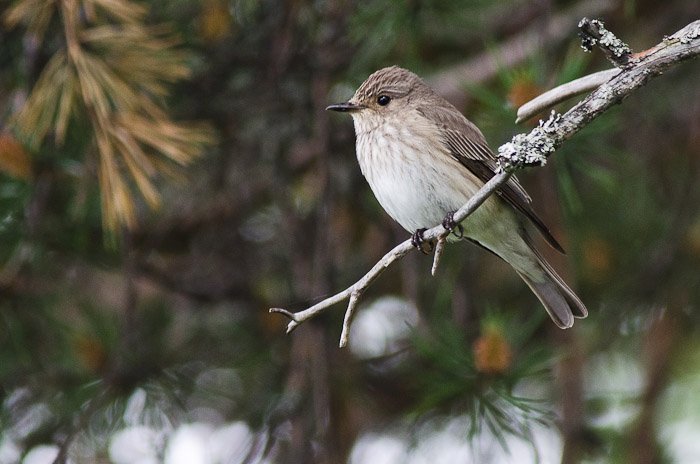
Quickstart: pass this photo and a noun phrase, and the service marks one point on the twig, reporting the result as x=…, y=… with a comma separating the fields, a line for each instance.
x=439, y=248
x=352, y=304
x=564, y=92
x=592, y=81
x=528, y=150
x=593, y=32
x=681, y=46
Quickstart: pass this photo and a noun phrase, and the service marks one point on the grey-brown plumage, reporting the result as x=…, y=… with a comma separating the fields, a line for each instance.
x=423, y=159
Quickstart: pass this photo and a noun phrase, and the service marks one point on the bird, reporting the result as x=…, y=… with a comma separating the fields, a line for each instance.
x=423, y=160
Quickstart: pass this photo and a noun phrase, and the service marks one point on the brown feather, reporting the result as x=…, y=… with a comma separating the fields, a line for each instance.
x=467, y=145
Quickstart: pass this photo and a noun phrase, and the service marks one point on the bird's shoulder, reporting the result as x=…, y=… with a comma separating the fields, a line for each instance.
x=467, y=144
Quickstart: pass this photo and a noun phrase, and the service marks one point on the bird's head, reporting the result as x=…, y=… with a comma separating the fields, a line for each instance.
x=388, y=92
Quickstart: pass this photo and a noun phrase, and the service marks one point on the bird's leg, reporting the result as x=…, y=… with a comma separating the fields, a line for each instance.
x=418, y=241
x=449, y=224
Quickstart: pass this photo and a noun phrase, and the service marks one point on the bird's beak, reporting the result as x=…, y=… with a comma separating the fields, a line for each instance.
x=347, y=107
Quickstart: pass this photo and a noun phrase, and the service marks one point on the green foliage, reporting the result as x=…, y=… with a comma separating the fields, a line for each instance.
x=453, y=378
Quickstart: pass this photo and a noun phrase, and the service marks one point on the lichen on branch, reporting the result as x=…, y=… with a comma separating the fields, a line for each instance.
x=531, y=149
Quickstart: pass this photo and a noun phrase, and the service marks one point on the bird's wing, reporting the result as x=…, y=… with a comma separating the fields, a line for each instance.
x=467, y=145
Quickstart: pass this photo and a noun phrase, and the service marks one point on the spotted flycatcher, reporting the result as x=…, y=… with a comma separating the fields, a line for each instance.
x=424, y=160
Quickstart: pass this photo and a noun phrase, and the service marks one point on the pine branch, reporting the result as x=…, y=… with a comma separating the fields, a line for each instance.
x=114, y=71
x=530, y=149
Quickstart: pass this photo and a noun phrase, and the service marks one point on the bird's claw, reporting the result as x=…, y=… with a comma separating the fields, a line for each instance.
x=451, y=226
x=419, y=242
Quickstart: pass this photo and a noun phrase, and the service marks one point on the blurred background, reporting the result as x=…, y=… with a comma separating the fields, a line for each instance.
x=168, y=173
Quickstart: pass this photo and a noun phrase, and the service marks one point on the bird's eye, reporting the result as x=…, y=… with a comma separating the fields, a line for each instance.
x=383, y=100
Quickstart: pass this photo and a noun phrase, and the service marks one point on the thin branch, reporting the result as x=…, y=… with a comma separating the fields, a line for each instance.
x=439, y=248
x=563, y=92
x=529, y=150
x=399, y=251
x=352, y=304
x=593, y=32
x=681, y=46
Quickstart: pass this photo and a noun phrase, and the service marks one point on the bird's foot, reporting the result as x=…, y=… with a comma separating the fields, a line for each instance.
x=419, y=242
x=451, y=226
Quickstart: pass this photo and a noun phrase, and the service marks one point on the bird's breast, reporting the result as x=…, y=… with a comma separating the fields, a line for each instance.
x=412, y=174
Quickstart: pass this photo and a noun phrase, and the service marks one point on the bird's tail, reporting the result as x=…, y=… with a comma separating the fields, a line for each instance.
x=559, y=300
